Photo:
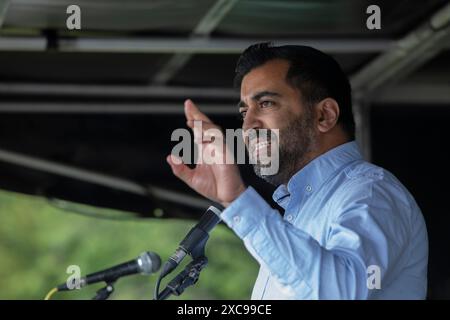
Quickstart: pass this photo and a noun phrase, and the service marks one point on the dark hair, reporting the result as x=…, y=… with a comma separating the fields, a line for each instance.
x=315, y=73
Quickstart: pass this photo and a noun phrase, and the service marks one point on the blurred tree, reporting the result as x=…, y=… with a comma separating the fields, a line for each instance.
x=39, y=241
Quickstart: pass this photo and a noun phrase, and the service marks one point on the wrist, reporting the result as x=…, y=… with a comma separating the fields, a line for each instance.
x=239, y=191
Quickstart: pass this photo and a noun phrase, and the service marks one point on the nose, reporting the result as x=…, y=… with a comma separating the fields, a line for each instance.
x=252, y=120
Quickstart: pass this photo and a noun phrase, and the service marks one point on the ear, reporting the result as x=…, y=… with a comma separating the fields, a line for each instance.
x=327, y=114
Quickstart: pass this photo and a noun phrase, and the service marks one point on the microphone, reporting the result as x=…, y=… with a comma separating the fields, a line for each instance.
x=194, y=240
x=147, y=263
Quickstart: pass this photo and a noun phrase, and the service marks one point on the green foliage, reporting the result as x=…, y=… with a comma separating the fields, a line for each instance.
x=39, y=241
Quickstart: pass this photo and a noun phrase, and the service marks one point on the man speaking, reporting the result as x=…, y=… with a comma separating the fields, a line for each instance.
x=350, y=229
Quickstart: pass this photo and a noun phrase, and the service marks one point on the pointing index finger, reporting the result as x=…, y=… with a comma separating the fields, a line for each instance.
x=193, y=113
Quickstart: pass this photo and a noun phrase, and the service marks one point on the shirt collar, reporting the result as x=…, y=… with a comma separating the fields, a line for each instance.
x=311, y=177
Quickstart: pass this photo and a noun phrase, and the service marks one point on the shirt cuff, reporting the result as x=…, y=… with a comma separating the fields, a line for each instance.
x=244, y=213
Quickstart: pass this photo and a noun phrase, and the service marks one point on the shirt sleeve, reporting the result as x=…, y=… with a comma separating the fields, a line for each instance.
x=359, y=236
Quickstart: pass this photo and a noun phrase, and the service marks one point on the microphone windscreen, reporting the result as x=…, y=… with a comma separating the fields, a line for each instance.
x=149, y=262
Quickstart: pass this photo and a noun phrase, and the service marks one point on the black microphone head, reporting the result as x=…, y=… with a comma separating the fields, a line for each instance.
x=149, y=262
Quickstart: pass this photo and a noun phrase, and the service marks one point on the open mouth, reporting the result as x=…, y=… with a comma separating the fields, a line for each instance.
x=261, y=145
x=258, y=148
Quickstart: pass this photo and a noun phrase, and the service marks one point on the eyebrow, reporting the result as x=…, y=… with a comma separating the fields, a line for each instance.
x=258, y=96
x=261, y=94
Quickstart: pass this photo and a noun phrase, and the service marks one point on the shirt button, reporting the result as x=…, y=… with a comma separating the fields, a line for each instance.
x=308, y=188
x=237, y=219
x=289, y=217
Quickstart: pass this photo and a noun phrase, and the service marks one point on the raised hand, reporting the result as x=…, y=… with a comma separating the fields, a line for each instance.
x=219, y=182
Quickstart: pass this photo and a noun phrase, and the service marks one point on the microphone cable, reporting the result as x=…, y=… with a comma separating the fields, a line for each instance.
x=51, y=293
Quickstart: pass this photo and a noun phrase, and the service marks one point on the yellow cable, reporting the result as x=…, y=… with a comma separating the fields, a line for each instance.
x=50, y=293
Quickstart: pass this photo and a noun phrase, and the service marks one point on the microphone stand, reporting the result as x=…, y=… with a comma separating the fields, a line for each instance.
x=189, y=276
x=105, y=292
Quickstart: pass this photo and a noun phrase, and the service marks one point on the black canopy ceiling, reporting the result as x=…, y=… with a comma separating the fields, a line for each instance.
x=87, y=115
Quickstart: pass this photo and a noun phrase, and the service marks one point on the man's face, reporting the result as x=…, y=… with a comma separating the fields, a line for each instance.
x=268, y=101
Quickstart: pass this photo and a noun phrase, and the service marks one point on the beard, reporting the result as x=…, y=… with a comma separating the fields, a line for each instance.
x=296, y=140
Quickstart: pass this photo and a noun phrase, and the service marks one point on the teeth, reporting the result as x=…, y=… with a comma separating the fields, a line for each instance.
x=261, y=145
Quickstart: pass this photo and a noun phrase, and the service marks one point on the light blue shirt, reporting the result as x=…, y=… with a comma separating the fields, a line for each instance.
x=350, y=230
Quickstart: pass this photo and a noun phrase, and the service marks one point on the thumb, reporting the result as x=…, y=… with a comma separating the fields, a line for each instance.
x=179, y=169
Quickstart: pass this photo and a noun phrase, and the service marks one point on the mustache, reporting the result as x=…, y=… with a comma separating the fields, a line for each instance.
x=252, y=136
